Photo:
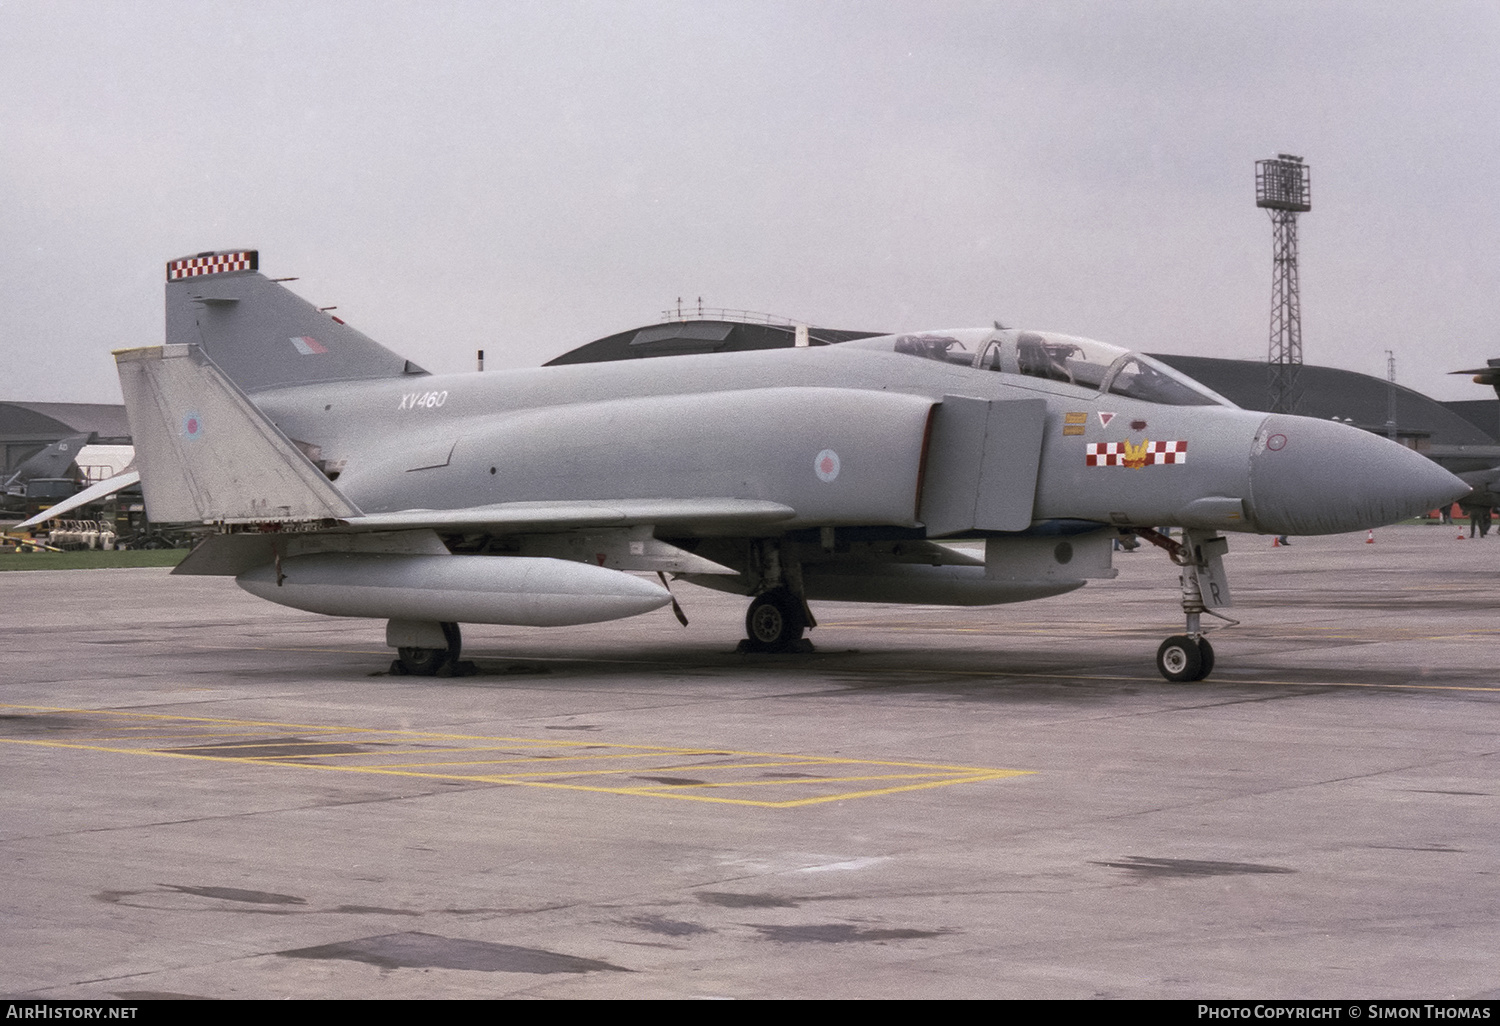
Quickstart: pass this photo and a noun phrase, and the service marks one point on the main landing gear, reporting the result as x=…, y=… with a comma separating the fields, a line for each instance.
x=779, y=614
x=775, y=622
x=1188, y=657
x=419, y=658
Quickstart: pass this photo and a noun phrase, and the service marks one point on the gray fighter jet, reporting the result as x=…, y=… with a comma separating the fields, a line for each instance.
x=341, y=478
x=51, y=464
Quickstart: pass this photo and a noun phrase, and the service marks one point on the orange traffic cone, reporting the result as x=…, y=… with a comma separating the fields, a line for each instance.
x=1276, y=541
x=1370, y=538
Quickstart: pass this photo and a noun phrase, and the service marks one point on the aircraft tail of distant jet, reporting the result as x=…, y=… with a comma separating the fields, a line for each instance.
x=262, y=335
x=52, y=461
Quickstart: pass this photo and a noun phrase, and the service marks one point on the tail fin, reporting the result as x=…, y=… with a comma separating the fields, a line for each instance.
x=52, y=461
x=259, y=333
x=206, y=453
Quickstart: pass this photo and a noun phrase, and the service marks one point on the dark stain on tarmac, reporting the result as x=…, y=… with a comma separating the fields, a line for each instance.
x=665, y=927
x=676, y=781
x=43, y=723
x=236, y=894
x=1190, y=867
x=428, y=951
x=725, y=899
x=839, y=933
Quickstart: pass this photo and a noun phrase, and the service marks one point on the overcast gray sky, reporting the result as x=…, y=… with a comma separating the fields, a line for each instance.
x=526, y=177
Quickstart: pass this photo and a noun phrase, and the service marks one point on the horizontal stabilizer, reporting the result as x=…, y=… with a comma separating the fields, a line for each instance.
x=206, y=453
x=93, y=493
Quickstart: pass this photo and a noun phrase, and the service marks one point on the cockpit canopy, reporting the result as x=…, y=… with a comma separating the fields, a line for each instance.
x=1082, y=362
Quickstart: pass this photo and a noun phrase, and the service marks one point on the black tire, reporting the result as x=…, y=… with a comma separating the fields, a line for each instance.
x=1179, y=659
x=422, y=662
x=1205, y=658
x=775, y=621
x=455, y=639
x=429, y=662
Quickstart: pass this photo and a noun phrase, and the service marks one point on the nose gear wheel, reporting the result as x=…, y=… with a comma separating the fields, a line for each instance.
x=1183, y=659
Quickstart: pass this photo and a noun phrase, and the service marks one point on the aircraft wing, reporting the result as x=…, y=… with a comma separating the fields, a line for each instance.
x=93, y=493
x=621, y=536
x=516, y=517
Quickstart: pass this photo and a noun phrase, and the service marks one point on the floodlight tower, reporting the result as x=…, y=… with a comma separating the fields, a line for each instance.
x=1284, y=188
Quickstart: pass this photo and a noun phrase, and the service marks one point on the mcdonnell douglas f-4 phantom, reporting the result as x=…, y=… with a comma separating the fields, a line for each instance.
x=340, y=478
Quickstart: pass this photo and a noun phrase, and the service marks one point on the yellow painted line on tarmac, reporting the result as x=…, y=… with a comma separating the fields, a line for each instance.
x=189, y=737
x=555, y=760
x=792, y=783
x=167, y=717
x=794, y=803
x=556, y=764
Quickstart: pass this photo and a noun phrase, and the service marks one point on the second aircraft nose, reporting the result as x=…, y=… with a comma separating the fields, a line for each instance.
x=1320, y=477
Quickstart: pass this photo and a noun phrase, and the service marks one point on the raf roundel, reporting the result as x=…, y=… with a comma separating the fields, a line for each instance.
x=192, y=426
x=826, y=463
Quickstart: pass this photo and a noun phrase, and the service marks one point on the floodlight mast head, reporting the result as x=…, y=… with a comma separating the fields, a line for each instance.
x=1283, y=184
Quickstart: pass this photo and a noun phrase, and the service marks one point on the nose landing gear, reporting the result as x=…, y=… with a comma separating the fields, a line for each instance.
x=1188, y=657
x=1183, y=658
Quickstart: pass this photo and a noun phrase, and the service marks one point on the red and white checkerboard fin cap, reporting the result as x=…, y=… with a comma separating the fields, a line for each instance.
x=222, y=262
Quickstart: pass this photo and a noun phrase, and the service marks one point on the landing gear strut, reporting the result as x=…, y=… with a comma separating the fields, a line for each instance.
x=1188, y=657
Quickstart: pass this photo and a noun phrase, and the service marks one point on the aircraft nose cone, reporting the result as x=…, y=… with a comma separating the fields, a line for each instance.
x=1320, y=477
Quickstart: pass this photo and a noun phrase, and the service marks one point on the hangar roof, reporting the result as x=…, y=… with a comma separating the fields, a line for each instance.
x=1327, y=392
